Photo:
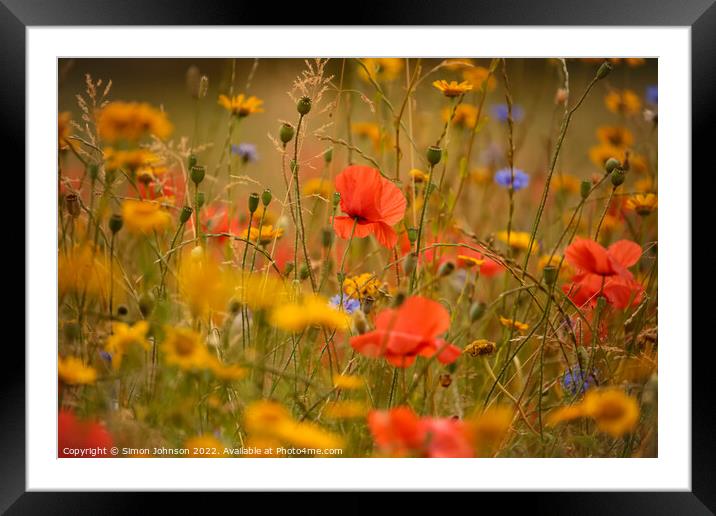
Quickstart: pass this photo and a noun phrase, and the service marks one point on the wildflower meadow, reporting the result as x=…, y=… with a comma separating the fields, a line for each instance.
x=357, y=257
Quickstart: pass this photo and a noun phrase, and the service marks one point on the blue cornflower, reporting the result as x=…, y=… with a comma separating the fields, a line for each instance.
x=105, y=355
x=350, y=305
x=500, y=112
x=246, y=151
x=503, y=177
x=572, y=381
x=652, y=94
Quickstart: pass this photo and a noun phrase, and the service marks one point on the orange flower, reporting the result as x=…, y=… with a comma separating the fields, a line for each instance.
x=403, y=333
x=371, y=203
x=400, y=432
x=624, y=102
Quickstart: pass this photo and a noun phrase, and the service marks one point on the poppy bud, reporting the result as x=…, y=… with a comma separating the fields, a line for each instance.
x=446, y=269
x=611, y=164
x=72, y=203
x=410, y=262
x=445, y=380
x=617, y=177
x=328, y=155
x=477, y=310
x=197, y=174
x=434, y=155
x=253, y=202
x=288, y=268
x=185, y=214
x=200, y=199
x=115, y=223
x=286, y=133
x=304, y=105
x=266, y=197
x=604, y=70
x=550, y=274
x=146, y=304
x=192, y=161
x=336, y=199
x=412, y=235
x=327, y=237
x=303, y=273
x=585, y=188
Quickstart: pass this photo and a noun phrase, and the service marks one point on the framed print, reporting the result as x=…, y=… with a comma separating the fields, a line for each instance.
x=359, y=258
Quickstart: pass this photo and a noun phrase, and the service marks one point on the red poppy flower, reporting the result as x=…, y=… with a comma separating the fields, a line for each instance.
x=604, y=272
x=74, y=435
x=371, y=203
x=412, y=329
x=400, y=432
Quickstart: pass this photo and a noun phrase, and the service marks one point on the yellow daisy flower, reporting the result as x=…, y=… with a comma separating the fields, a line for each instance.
x=478, y=76
x=465, y=115
x=145, y=217
x=73, y=371
x=123, y=337
x=318, y=186
x=361, y=286
x=480, y=347
x=616, y=136
x=241, y=105
x=311, y=311
x=185, y=348
x=268, y=233
x=368, y=130
x=624, y=102
x=381, y=69
x=643, y=204
x=130, y=121
x=453, y=88
x=348, y=382
x=517, y=240
x=517, y=325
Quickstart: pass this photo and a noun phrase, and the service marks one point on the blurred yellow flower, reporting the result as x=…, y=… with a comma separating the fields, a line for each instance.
x=311, y=311
x=260, y=291
x=185, y=348
x=361, y=286
x=623, y=102
x=318, y=186
x=73, y=371
x=599, y=154
x=645, y=185
x=80, y=271
x=345, y=409
x=480, y=347
x=130, y=121
x=453, y=88
x=241, y=105
x=226, y=372
x=566, y=183
x=517, y=325
x=123, y=337
x=643, y=204
x=465, y=115
x=418, y=175
x=349, y=382
x=467, y=261
x=205, y=286
x=481, y=176
x=613, y=411
x=381, y=69
x=145, y=217
x=518, y=240
x=490, y=428
x=368, y=130
x=615, y=135
x=478, y=75
x=131, y=159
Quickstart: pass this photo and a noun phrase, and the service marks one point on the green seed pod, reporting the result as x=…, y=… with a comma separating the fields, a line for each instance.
x=618, y=177
x=192, y=161
x=328, y=155
x=266, y=197
x=304, y=105
x=197, y=174
x=585, y=188
x=146, y=304
x=412, y=235
x=253, y=202
x=477, y=310
x=304, y=272
x=446, y=269
x=336, y=199
x=604, y=70
x=434, y=155
x=200, y=199
x=611, y=164
x=116, y=222
x=399, y=299
x=550, y=274
x=286, y=133
x=185, y=214
x=288, y=268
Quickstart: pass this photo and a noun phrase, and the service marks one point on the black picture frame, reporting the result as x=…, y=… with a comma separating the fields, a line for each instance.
x=700, y=15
